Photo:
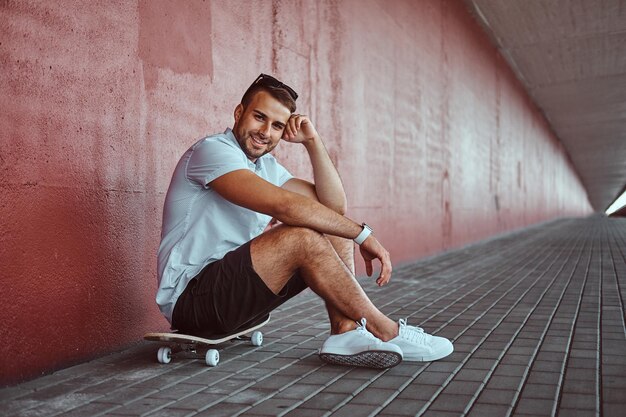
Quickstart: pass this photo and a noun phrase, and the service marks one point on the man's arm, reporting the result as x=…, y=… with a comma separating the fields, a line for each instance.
x=327, y=183
x=246, y=189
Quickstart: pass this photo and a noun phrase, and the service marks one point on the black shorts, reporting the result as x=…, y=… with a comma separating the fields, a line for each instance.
x=227, y=294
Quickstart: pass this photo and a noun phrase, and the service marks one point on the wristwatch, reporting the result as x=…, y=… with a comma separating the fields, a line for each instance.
x=363, y=235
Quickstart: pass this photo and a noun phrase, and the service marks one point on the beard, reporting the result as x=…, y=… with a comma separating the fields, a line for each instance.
x=246, y=142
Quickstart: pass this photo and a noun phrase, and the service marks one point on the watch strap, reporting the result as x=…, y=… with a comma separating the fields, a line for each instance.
x=363, y=235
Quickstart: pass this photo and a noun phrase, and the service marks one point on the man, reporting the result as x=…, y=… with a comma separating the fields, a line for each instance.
x=221, y=268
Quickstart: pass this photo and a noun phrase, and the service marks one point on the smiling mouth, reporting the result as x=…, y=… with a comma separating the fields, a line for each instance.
x=258, y=141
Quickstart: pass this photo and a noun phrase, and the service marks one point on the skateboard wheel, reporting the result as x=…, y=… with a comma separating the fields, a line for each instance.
x=257, y=338
x=164, y=355
x=212, y=357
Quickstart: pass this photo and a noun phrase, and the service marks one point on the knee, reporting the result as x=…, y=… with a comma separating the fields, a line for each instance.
x=305, y=239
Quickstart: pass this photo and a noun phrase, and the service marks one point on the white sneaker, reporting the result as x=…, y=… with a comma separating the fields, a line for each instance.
x=417, y=345
x=360, y=348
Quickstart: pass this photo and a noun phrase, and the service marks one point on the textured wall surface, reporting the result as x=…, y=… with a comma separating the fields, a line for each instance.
x=436, y=141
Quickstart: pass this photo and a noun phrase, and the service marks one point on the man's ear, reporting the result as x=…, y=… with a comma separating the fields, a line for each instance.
x=238, y=112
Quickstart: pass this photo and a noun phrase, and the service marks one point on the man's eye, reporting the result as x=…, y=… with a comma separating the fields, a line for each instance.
x=278, y=127
x=258, y=117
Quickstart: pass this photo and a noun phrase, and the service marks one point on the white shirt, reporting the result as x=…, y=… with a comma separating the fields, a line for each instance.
x=199, y=226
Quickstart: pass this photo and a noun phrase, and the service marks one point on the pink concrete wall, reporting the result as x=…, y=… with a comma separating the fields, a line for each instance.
x=436, y=141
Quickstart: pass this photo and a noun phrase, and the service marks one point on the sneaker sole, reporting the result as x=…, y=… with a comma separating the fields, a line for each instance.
x=430, y=358
x=380, y=359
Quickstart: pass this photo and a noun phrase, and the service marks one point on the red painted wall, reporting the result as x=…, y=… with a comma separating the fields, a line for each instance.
x=436, y=141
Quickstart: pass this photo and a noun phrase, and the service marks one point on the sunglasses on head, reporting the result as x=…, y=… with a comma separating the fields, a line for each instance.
x=268, y=80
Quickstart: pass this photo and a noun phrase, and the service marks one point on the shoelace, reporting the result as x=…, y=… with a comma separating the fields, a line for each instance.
x=361, y=327
x=413, y=334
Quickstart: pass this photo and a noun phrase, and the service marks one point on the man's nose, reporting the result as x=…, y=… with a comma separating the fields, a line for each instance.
x=265, y=129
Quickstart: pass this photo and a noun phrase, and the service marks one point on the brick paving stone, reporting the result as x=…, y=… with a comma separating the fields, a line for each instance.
x=540, y=377
x=222, y=410
x=510, y=370
x=539, y=391
x=487, y=353
x=207, y=376
x=10, y=393
x=614, y=396
x=548, y=366
x=226, y=386
x=324, y=377
x=569, y=412
x=296, y=353
x=463, y=387
x=169, y=412
x=305, y=412
x=432, y=378
x=483, y=410
x=373, y=396
x=177, y=391
x=326, y=400
x=90, y=409
x=275, y=363
x=19, y=406
x=403, y=407
x=352, y=410
x=616, y=370
x=612, y=410
x=54, y=405
x=440, y=413
x=504, y=382
x=534, y=406
x=442, y=366
x=611, y=359
x=126, y=395
x=416, y=391
x=582, y=401
x=451, y=402
x=573, y=386
x=584, y=353
x=389, y=382
x=301, y=368
x=521, y=350
x=477, y=363
x=346, y=385
x=581, y=374
x=580, y=363
x=497, y=396
x=299, y=391
x=198, y=401
x=614, y=381
x=141, y=406
x=248, y=396
x=471, y=375
x=463, y=347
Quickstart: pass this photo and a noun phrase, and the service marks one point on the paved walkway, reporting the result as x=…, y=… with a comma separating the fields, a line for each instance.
x=537, y=320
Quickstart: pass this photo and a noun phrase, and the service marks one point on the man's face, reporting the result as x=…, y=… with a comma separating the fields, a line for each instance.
x=259, y=127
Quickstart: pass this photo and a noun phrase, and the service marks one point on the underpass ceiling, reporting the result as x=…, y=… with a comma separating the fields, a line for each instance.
x=571, y=56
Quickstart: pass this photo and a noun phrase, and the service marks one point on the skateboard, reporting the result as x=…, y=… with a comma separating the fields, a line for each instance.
x=184, y=343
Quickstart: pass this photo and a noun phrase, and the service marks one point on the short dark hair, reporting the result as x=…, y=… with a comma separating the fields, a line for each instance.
x=281, y=92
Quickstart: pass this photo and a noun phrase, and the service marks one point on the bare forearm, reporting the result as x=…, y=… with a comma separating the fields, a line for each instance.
x=328, y=186
x=301, y=211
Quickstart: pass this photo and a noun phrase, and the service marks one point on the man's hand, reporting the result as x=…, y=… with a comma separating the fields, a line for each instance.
x=299, y=129
x=371, y=249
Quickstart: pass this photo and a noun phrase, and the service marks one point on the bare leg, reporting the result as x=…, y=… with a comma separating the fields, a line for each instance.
x=280, y=252
x=339, y=323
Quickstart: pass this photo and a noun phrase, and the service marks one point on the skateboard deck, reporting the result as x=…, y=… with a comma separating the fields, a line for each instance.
x=179, y=342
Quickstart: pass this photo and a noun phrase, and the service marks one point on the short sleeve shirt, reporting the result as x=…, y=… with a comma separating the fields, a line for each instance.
x=199, y=226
